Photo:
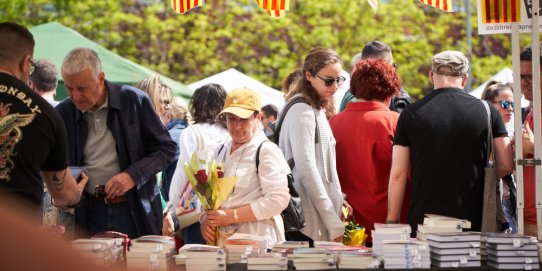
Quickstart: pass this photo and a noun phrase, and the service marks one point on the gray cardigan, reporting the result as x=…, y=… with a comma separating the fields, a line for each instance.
x=315, y=173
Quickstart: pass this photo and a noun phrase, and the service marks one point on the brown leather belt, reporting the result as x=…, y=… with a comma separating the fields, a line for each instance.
x=115, y=200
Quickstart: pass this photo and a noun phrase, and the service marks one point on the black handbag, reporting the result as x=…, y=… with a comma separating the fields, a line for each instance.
x=293, y=214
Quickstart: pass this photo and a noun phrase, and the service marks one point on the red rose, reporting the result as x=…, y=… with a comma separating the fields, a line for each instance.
x=201, y=176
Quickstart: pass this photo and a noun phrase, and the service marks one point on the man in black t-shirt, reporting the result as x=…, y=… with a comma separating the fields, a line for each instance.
x=32, y=134
x=443, y=138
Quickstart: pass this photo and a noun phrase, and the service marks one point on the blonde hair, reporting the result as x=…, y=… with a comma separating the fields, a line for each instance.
x=154, y=87
x=179, y=109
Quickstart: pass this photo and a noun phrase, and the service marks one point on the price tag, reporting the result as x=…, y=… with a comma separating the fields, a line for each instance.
x=463, y=260
x=520, y=252
x=472, y=253
x=517, y=242
x=475, y=244
x=455, y=264
x=403, y=237
x=422, y=248
x=528, y=267
x=118, y=242
x=528, y=260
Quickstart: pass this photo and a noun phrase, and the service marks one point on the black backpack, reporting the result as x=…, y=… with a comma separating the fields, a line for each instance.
x=293, y=214
x=277, y=125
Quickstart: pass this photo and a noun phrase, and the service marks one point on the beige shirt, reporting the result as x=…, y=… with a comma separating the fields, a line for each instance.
x=266, y=192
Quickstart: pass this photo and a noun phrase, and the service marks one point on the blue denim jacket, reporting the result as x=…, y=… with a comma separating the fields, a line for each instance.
x=143, y=146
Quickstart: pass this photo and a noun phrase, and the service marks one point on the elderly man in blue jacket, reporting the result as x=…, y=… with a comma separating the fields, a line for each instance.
x=116, y=135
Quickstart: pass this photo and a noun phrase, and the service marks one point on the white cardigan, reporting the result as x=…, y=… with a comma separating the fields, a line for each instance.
x=315, y=171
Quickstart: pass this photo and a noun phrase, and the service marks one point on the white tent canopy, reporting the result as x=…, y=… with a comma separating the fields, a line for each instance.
x=505, y=76
x=232, y=79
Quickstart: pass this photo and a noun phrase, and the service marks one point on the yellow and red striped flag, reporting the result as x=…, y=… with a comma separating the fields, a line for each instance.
x=275, y=8
x=445, y=5
x=182, y=6
x=500, y=11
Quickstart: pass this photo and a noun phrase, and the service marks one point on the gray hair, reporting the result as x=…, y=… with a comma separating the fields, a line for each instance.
x=80, y=59
x=45, y=75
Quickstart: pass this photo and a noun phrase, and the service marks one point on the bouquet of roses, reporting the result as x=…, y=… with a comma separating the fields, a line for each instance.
x=207, y=179
x=354, y=235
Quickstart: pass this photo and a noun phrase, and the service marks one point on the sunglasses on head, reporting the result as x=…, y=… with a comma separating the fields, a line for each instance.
x=505, y=104
x=329, y=81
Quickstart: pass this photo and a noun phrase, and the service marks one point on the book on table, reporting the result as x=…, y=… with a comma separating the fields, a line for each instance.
x=435, y=220
x=449, y=258
x=456, y=251
x=515, y=266
x=454, y=237
x=433, y=229
x=392, y=228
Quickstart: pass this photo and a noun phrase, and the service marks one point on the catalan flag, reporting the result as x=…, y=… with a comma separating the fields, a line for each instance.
x=182, y=6
x=445, y=5
x=500, y=11
x=275, y=8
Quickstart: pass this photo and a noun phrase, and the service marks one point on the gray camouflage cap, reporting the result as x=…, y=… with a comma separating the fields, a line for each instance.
x=456, y=61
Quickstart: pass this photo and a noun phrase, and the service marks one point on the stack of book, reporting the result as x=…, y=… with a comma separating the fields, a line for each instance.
x=239, y=245
x=99, y=251
x=152, y=252
x=483, y=248
x=383, y=232
x=438, y=223
x=457, y=249
x=512, y=251
x=284, y=246
x=267, y=261
x=180, y=259
x=122, y=241
x=407, y=254
x=361, y=259
x=313, y=259
x=205, y=258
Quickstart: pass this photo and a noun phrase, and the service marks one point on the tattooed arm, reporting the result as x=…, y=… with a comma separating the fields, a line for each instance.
x=63, y=187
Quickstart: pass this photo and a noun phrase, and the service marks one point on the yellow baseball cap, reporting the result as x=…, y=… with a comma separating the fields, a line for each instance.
x=242, y=102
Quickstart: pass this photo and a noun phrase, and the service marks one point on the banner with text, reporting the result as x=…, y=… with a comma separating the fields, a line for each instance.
x=496, y=16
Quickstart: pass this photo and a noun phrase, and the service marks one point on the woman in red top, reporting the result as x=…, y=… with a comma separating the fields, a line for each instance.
x=364, y=134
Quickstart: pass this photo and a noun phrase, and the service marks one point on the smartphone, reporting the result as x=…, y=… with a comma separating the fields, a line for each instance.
x=76, y=172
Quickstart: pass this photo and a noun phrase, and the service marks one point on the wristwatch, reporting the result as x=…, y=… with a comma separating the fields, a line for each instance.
x=235, y=215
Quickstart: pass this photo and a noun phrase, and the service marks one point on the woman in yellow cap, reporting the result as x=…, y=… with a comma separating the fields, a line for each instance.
x=260, y=194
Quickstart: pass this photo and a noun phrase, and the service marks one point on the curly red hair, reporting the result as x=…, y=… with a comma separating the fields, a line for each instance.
x=375, y=80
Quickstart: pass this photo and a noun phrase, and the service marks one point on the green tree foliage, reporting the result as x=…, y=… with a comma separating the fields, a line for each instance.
x=236, y=33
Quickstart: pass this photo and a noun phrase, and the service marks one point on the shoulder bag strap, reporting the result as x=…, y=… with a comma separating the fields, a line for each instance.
x=489, y=133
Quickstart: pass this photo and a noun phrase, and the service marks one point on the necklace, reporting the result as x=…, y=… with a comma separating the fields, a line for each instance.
x=240, y=157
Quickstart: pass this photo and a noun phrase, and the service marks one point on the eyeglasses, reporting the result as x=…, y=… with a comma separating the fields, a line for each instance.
x=528, y=78
x=505, y=104
x=32, y=66
x=329, y=81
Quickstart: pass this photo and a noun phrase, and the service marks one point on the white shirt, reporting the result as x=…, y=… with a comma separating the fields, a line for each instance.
x=266, y=191
x=213, y=135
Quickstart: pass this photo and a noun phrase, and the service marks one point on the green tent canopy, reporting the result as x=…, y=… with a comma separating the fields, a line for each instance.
x=54, y=41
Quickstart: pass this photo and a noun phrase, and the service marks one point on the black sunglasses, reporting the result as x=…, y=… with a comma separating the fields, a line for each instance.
x=505, y=104
x=329, y=81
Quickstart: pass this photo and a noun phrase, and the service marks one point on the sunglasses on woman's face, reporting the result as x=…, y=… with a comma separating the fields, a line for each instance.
x=329, y=81
x=505, y=104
